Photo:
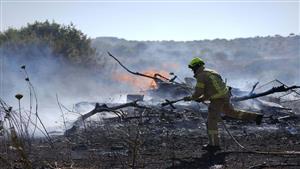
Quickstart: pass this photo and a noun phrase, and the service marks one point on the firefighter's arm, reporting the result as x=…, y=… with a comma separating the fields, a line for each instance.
x=198, y=93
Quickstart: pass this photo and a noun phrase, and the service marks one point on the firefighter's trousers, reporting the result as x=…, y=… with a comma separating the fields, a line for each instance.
x=214, y=110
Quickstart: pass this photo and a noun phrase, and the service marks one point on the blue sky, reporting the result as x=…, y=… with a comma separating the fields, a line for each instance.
x=161, y=20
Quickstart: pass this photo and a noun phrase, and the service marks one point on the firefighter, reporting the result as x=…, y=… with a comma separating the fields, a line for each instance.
x=210, y=86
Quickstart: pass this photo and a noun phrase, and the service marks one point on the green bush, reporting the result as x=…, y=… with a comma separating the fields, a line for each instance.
x=65, y=41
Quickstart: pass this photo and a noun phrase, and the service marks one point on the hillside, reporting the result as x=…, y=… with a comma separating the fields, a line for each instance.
x=257, y=59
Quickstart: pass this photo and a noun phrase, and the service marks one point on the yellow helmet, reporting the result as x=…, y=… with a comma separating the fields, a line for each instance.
x=195, y=62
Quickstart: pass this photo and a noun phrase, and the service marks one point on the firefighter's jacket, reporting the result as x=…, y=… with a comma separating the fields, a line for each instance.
x=209, y=85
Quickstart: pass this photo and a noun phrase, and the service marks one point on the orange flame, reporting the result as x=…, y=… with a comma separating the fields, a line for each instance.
x=138, y=82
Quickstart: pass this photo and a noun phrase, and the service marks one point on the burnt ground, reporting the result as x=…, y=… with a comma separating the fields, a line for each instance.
x=164, y=141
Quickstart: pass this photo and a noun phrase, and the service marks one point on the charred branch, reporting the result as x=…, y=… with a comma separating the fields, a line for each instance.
x=103, y=108
x=157, y=77
x=134, y=73
x=253, y=88
x=277, y=89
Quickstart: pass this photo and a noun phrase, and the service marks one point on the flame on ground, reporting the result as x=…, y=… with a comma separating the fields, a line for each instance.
x=138, y=82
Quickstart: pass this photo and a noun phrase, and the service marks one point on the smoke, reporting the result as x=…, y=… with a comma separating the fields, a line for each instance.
x=242, y=63
x=53, y=75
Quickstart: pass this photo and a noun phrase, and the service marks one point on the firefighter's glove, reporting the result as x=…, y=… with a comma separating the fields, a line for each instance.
x=187, y=98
